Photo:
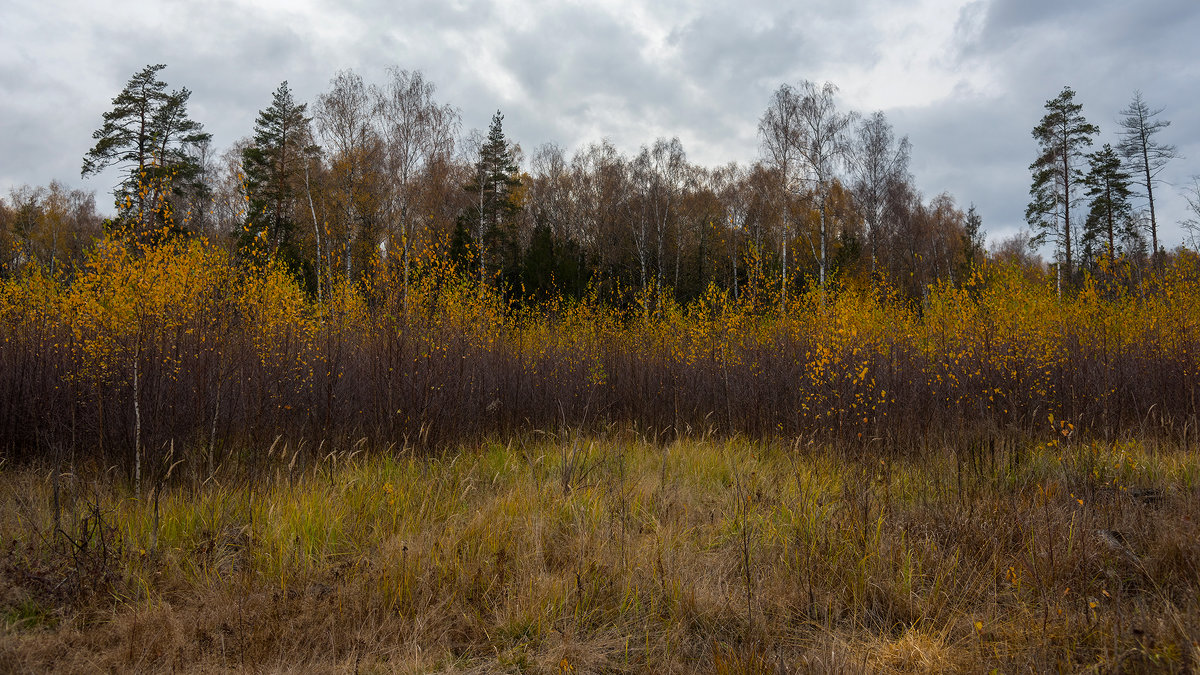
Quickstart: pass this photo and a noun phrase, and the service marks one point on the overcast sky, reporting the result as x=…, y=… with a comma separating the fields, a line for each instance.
x=966, y=81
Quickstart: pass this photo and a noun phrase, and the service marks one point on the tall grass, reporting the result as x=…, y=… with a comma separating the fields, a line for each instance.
x=620, y=556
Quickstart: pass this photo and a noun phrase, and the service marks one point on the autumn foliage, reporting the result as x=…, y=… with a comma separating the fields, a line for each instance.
x=179, y=345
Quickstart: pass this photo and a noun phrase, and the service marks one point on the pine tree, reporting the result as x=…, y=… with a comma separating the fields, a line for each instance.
x=1062, y=135
x=1108, y=210
x=274, y=167
x=491, y=217
x=149, y=134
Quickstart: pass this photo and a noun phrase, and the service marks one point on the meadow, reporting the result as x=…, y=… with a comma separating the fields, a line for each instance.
x=205, y=468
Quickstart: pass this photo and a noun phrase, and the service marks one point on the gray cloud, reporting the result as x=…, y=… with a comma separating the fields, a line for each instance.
x=574, y=72
x=1104, y=51
x=581, y=70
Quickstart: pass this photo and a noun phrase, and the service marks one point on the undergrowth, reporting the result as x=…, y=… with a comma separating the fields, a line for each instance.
x=179, y=345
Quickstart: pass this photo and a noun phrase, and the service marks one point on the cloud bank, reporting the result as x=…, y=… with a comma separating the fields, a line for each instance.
x=965, y=80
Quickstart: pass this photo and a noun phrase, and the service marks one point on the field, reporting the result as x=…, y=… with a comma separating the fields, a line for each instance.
x=619, y=555
x=205, y=469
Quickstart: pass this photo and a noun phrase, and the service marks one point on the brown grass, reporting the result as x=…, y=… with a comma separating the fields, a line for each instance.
x=612, y=554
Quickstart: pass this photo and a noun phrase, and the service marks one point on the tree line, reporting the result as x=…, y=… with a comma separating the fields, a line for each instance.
x=1110, y=226
x=381, y=174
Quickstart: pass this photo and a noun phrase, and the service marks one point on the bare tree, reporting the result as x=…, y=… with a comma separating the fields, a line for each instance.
x=1144, y=155
x=904, y=212
x=1017, y=249
x=804, y=137
x=417, y=132
x=731, y=185
x=606, y=207
x=550, y=191
x=877, y=159
x=779, y=131
x=313, y=165
x=823, y=147
x=346, y=122
x=641, y=174
x=763, y=216
x=229, y=194
x=700, y=231
x=1192, y=225
x=668, y=171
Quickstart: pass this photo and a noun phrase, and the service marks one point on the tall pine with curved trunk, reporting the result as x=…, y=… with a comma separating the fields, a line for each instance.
x=149, y=134
x=1144, y=155
x=1062, y=136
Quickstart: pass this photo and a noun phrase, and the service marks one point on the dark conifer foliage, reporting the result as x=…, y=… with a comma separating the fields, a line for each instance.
x=274, y=166
x=974, y=240
x=491, y=218
x=149, y=135
x=383, y=182
x=1110, y=215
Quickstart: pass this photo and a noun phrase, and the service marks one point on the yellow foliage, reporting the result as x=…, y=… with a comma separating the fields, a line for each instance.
x=1002, y=347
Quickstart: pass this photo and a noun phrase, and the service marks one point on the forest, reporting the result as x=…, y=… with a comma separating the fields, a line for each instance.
x=363, y=391
x=381, y=174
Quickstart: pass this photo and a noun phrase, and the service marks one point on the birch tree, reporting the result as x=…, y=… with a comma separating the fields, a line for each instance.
x=877, y=160
x=804, y=138
x=345, y=118
x=822, y=147
x=779, y=137
x=417, y=132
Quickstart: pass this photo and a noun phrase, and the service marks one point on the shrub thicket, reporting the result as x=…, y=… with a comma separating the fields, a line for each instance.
x=180, y=345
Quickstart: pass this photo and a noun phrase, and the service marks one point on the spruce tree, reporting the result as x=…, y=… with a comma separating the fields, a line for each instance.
x=492, y=215
x=1108, y=210
x=539, y=269
x=973, y=241
x=274, y=167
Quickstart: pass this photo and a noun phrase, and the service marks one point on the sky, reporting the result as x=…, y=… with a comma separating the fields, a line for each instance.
x=965, y=80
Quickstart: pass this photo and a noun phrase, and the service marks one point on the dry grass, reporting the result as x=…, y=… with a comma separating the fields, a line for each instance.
x=612, y=554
